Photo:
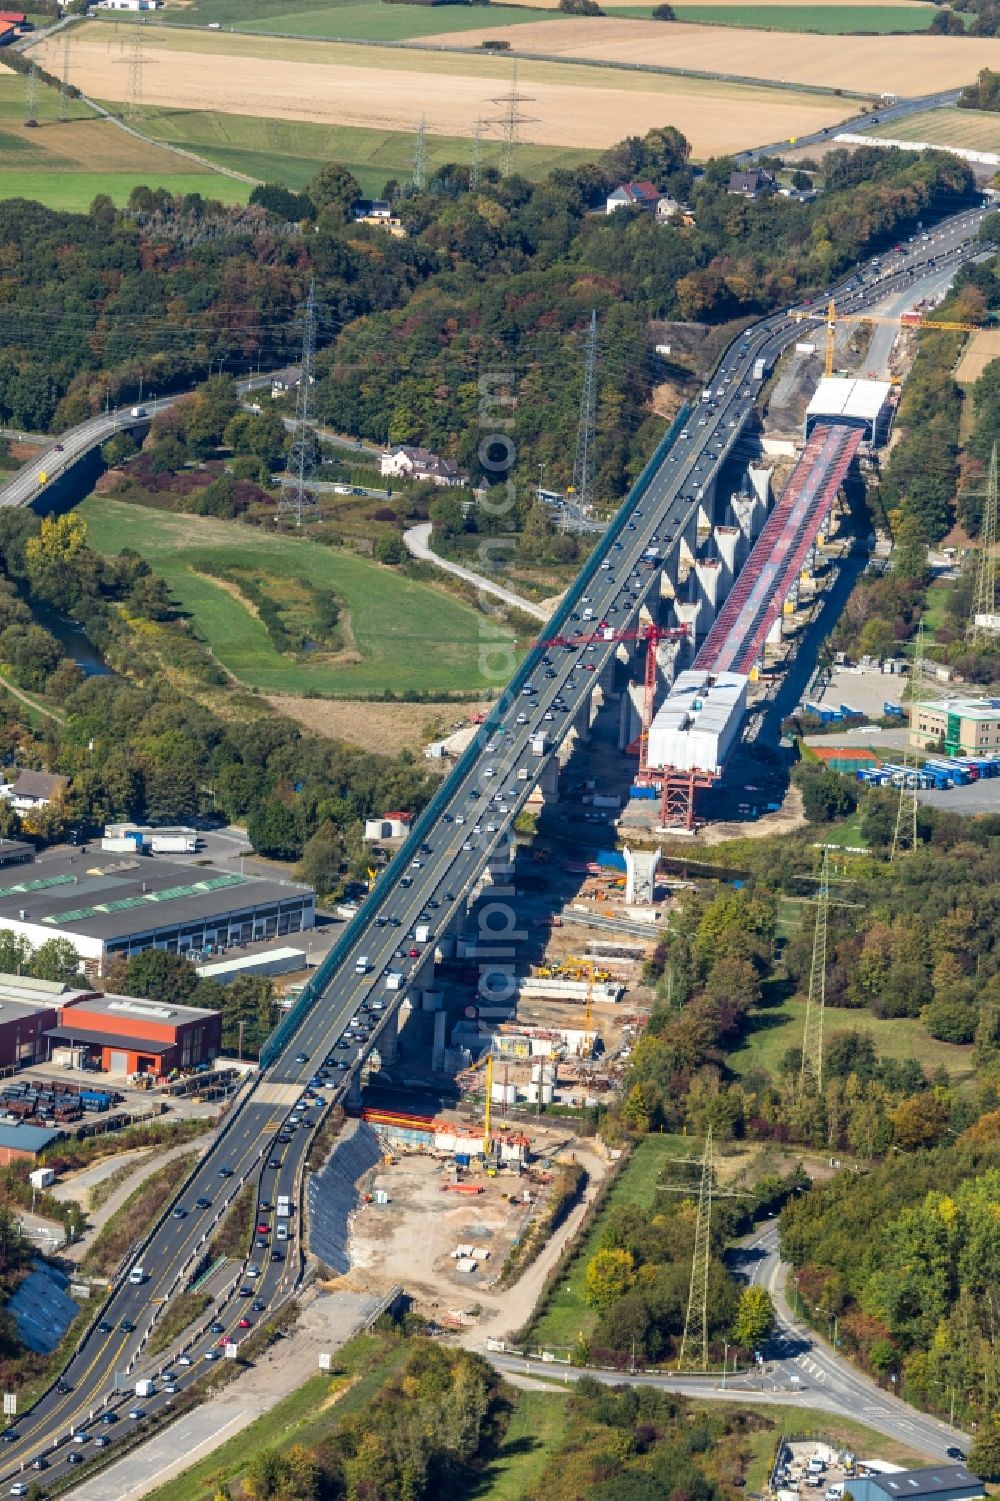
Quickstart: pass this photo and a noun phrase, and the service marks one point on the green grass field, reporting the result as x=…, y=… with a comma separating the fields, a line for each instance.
x=828, y=20
x=351, y=20
x=567, y=1315
x=977, y=130
x=291, y=152
x=775, y=1029
x=407, y=635
x=65, y=164
x=75, y=193
x=537, y=1428
x=378, y=22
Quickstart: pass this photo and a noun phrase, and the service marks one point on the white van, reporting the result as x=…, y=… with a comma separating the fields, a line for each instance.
x=816, y=1466
x=835, y=1492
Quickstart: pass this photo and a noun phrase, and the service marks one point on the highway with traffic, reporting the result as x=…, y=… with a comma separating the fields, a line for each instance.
x=354, y=993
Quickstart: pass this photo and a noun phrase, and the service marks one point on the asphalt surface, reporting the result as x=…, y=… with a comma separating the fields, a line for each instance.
x=426, y=881
x=884, y=115
x=55, y=457
x=796, y=1370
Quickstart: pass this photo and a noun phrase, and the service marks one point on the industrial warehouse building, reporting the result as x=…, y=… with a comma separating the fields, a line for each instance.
x=18, y=1142
x=840, y=402
x=28, y=1009
x=122, y=1035
x=968, y=726
x=105, y=905
x=946, y=1482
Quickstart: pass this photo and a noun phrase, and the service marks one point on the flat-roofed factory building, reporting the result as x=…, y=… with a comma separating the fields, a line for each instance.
x=124, y=1035
x=105, y=905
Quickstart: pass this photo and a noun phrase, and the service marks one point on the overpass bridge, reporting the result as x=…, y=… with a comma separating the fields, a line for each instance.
x=463, y=832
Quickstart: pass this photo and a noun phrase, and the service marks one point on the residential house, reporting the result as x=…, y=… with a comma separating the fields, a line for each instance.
x=753, y=184
x=12, y=24
x=633, y=195
x=34, y=789
x=670, y=211
x=405, y=462
x=379, y=213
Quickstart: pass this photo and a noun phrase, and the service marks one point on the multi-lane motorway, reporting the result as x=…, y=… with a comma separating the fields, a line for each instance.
x=427, y=882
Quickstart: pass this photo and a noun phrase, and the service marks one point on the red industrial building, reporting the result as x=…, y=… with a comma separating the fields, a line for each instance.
x=23, y=1025
x=124, y=1035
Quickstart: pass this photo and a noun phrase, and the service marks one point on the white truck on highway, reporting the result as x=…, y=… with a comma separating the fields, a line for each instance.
x=361, y=964
x=137, y=1276
x=284, y=1207
x=145, y=1388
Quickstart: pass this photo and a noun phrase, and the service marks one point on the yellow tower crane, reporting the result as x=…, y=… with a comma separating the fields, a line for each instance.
x=902, y=320
x=488, y=1110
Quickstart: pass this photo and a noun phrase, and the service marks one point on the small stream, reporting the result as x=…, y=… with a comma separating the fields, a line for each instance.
x=72, y=638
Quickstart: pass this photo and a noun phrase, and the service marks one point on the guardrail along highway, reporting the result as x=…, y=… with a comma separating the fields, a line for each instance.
x=428, y=881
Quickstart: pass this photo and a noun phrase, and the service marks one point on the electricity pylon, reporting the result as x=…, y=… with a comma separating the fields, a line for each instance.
x=31, y=98
x=64, y=85
x=811, y=1070
x=133, y=98
x=511, y=121
x=476, y=170
x=904, y=839
x=982, y=625
x=296, y=500
x=583, y=459
x=419, y=178
x=697, y=1309
x=696, y=1318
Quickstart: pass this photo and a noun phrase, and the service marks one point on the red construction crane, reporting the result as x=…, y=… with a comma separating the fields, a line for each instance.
x=652, y=635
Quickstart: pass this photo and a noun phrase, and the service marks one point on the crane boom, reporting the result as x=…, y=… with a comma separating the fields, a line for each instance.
x=899, y=320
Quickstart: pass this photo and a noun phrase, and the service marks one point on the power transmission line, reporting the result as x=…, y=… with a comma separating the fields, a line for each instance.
x=511, y=121
x=811, y=1071
x=904, y=839
x=983, y=623
x=296, y=500
x=31, y=99
x=696, y=1317
x=583, y=459
x=476, y=171
x=697, y=1307
x=64, y=85
x=133, y=96
x=420, y=157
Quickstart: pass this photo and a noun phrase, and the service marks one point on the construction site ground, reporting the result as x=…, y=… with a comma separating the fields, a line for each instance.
x=410, y=1239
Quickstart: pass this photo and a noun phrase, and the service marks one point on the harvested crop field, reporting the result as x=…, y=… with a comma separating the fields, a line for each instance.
x=982, y=349
x=372, y=725
x=904, y=65
x=66, y=163
x=392, y=89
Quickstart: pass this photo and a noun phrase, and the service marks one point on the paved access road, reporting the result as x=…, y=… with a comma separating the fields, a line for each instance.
x=796, y=1356
x=430, y=877
x=55, y=458
x=798, y=1369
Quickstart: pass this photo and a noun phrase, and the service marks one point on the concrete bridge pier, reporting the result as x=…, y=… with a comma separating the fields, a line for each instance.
x=760, y=483
x=354, y=1090
x=729, y=546
x=708, y=574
